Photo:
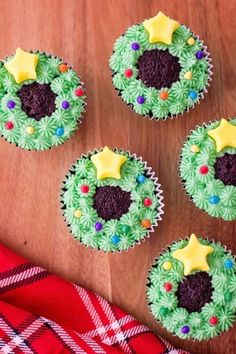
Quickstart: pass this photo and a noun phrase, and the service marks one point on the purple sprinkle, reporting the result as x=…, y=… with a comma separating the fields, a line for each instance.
x=185, y=329
x=199, y=54
x=11, y=104
x=135, y=46
x=98, y=226
x=65, y=105
x=141, y=99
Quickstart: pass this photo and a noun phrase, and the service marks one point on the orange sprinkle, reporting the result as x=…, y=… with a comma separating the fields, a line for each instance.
x=164, y=95
x=63, y=68
x=146, y=223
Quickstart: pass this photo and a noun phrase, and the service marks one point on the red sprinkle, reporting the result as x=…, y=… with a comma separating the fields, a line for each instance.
x=128, y=73
x=213, y=320
x=9, y=125
x=147, y=202
x=79, y=92
x=203, y=170
x=84, y=188
x=168, y=286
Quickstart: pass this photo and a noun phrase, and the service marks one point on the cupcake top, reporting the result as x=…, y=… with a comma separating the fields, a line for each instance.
x=111, y=199
x=41, y=100
x=160, y=68
x=192, y=288
x=208, y=168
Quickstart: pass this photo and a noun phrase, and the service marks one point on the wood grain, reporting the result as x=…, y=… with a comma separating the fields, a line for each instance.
x=83, y=32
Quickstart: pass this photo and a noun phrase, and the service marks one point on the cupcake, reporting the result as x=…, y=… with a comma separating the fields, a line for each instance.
x=160, y=68
x=41, y=100
x=208, y=168
x=192, y=288
x=111, y=199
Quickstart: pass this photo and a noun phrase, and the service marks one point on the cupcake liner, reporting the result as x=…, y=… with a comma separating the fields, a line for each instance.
x=201, y=94
x=182, y=181
x=158, y=194
x=153, y=265
x=79, y=119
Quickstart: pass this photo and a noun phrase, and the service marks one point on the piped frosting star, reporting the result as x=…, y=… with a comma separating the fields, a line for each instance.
x=224, y=135
x=108, y=163
x=193, y=256
x=160, y=28
x=22, y=66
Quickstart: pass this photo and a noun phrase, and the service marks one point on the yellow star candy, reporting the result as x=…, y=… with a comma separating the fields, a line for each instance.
x=224, y=135
x=108, y=163
x=22, y=66
x=160, y=28
x=193, y=256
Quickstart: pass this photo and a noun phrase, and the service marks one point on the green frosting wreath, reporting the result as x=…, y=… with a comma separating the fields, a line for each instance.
x=215, y=316
x=149, y=101
x=31, y=134
x=211, y=190
x=112, y=233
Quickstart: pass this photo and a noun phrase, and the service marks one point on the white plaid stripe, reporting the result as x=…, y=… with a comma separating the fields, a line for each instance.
x=21, y=276
x=95, y=346
x=17, y=340
x=129, y=333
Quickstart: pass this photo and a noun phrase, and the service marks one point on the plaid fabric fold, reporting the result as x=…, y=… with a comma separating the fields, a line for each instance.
x=42, y=313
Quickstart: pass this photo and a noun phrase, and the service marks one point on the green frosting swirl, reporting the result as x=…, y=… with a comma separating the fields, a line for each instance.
x=45, y=133
x=128, y=228
x=201, y=187
x=179, y=100
x=164, y=305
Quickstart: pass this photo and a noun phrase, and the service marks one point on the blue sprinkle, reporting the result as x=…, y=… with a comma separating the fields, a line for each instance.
x=141, y=179
x=60, y=131
x=214, y=199
x=229, y=264
x=115, y=239
x=192, y=95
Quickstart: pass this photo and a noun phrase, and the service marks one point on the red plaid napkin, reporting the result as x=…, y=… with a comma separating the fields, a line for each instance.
x=42, y=313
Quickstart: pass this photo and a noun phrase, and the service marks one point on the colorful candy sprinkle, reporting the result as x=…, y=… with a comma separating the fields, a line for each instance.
x=147, y=202
x=79, y=92
x=203, y=170
x=192, y=95
x=213, y=320
x=63, y=68
x=199, y=54
x=214, y=199
x=125, y=229
x=115, y=239
x=9, y=125
x=185, y=329
x=141, y=179
x=191, y=41
x=163, y=311
x=228, y=296
x=163, y=95
x=135, y=46
x=141, y=99
x=167, y=265
x=65, y=104
x=60, y=131
x=98, y=226
x=194, y=148
x=128, y=73
x=168, y=287
x=188, y=75
x=77, y=214
x=146, y=223
x=11, y=104
x=30, y=130
x=84, y=188
x=228, y=264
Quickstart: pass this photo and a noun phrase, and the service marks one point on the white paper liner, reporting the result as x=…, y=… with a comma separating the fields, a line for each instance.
x=148, y=172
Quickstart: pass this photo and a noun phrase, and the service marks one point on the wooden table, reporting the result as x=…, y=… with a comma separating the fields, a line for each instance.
x=83, y=32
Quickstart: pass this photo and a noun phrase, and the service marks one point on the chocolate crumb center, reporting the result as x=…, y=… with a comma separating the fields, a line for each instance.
x=225, y=169
x=37, y=100
x=195, y=291
x=111, y=202
x=158, y=68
